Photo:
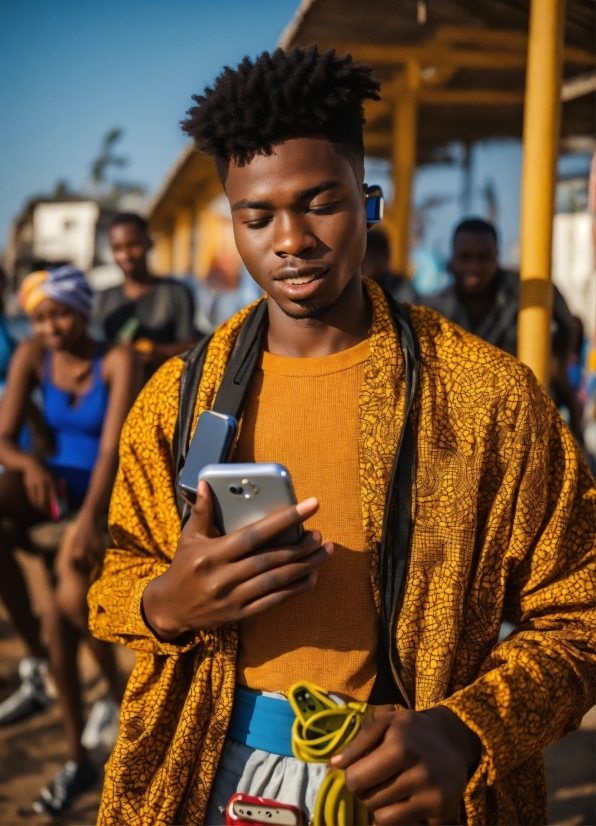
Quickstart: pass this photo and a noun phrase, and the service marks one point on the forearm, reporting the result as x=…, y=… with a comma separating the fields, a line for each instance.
x=12, y=457
x=116, y=605
x=538, y=690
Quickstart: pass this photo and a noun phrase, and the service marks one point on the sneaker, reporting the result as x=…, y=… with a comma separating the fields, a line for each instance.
x=102, y=725
x=31, y=696
x=72, y=780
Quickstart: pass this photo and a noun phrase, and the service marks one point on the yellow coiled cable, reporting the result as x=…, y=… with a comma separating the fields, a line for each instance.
x=322, y=729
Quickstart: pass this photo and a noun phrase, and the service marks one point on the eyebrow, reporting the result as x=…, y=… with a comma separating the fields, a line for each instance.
x=301, y=195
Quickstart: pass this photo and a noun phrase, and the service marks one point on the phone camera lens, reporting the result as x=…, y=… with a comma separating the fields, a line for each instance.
x=236, y=489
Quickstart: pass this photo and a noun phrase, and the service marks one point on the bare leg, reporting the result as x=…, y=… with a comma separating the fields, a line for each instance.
x=71, y=598
x=63, y=644
x=13, y=588
x=66, y=625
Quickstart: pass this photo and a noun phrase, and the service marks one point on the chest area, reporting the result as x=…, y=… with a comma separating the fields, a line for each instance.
x=311, y=424
x=82, y=412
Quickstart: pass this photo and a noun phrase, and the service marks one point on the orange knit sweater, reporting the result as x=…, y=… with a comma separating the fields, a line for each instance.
x=333, y=630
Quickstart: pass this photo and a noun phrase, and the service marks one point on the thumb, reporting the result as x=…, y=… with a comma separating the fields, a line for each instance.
x=202, y=518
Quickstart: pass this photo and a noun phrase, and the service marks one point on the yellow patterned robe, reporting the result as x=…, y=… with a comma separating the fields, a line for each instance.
x=504, y=528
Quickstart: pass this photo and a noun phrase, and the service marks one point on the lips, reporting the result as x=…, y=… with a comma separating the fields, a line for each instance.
x=299, y=283
x=301, y=275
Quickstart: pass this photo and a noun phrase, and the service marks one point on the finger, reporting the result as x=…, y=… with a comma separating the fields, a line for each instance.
x=202, y=518
x=256, y=535
x=371, y=734
x=396, y=789
x=278, y=579
x=406, y=812
x=267, y=603
x=50, y=494
x=260, y=562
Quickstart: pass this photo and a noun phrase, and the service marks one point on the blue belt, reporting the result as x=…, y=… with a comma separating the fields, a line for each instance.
x=262, y=722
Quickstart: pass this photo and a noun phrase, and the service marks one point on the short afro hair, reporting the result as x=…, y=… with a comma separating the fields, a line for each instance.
x=130, y=218
x=279, y=96
x=476, y=226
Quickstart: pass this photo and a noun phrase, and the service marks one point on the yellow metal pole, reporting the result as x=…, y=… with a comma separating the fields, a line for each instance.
x=540, y=149
x=404, y=139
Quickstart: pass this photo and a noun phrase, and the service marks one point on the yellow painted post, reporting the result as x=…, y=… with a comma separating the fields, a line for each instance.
x=182, y=242
x=542, y=112
x=404, y=139
x=161, y=254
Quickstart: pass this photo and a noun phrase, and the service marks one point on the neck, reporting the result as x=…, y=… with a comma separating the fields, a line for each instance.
x=137, y=283
x=344, y=325
x=83, y=348
x=478, y=306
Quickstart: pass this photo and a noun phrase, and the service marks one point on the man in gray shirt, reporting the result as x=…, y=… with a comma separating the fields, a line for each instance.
x=154, y=315
x=484, y=299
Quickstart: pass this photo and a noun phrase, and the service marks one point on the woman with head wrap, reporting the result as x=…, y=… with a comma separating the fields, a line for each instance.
x=86, y=396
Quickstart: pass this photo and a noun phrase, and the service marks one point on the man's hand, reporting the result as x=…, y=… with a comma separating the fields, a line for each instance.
x=214, y=580
x=411, y=766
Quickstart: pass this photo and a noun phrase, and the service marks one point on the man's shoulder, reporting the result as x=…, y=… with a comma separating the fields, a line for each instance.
x=465, y=364
x=173, y=285
x=157, y=403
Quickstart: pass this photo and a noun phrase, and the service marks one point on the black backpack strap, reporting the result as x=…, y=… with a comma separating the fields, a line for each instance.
x=232, y=390
x=189, y=383
x=397, y=523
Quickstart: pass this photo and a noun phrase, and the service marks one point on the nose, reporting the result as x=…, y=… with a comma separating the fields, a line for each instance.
x=293, y=237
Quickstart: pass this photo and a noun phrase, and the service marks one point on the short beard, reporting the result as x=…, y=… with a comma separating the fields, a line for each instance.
x=313, y=312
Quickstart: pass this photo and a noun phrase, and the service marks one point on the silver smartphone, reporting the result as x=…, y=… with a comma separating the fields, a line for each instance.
x=245, y=493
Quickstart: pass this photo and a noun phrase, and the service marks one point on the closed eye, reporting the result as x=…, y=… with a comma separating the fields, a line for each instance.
x=324, y=209
x=258, y=223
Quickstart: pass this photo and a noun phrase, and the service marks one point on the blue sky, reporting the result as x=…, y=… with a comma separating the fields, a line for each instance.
x=70, y=70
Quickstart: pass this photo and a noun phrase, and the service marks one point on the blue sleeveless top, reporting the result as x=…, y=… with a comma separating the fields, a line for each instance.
x=76, y=423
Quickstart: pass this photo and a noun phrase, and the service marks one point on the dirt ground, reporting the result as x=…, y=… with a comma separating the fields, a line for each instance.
x=32, y=751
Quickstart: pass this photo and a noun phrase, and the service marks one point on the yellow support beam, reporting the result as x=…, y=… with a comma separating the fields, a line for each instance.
x=540, y=149
x=442, y=56
x=182, y=242
x=375, y=110
x=404, y=140
x=472, y=97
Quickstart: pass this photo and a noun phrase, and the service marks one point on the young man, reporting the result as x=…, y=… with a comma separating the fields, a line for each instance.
x=484, y=299
x=375, y=265
x=503, y=516
x=154, y=314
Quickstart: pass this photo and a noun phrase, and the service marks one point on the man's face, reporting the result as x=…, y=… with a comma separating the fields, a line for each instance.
x=130, y=246
x=299, y=223
x=474, y=261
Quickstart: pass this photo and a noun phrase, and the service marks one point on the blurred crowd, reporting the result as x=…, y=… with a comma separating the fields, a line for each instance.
x=66, y=391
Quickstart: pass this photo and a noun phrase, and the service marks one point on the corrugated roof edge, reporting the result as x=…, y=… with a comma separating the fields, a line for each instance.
x=291, y=30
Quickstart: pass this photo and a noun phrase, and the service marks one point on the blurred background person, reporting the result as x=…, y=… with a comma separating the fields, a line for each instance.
x=7, y=344
x=484, y=299
x=152, y=314
x=86, y=396
x=376, y=266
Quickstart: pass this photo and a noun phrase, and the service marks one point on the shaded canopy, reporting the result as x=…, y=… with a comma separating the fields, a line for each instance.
x=471, y=55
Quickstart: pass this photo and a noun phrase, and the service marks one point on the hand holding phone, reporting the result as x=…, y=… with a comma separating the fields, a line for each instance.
x=214, y=580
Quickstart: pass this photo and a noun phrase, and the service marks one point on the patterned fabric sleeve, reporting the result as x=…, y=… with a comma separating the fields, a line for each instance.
x=143, y=520
x=535, y=685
